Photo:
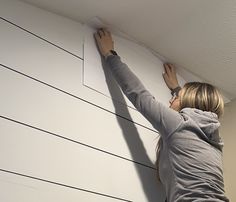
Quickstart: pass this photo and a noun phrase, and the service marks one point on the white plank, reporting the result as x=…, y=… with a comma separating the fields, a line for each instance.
x=46, y=108
x=23, y=189
x=30, y=55
x=59, y=30
x=34, y=153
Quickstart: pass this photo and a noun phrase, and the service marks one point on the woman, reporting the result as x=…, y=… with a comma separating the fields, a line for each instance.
x=190, y=154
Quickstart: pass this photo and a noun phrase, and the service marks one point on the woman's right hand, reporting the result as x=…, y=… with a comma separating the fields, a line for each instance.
x=104, y=41
x=170, y=77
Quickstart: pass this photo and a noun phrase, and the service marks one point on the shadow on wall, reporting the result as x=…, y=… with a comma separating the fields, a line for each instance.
x=152, y=188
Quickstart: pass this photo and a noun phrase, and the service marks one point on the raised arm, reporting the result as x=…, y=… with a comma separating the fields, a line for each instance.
x=164, y=119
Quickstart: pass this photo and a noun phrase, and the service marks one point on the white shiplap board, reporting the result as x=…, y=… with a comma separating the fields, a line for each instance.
x=26, y=189
x=41, y=155
x=56, y=29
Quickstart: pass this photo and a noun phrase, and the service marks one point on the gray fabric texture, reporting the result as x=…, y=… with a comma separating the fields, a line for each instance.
x=190, y=164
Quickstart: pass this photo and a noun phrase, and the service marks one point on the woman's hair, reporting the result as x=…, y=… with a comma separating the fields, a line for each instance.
x=202, y=96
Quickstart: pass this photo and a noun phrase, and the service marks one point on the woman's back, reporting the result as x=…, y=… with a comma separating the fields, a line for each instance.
x=190, y=163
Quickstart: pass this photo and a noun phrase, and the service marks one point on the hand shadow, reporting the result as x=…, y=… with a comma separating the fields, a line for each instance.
x=146, y=169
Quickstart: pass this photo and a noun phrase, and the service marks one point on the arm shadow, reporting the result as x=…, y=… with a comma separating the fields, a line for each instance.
x=146, y=170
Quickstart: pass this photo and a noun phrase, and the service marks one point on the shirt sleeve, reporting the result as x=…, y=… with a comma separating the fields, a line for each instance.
x=163, y=119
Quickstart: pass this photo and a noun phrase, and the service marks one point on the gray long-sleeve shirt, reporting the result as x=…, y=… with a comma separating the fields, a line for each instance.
x=190, y=164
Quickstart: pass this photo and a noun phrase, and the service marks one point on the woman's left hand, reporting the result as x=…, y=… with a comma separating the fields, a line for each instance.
x=170, y=76
x=104, y=41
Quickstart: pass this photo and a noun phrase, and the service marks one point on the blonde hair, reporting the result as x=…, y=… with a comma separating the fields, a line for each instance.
x=202, y=96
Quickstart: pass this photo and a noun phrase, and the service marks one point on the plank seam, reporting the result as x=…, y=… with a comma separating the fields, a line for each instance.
x=74, y=96
x=64, y=185
x=77, y=142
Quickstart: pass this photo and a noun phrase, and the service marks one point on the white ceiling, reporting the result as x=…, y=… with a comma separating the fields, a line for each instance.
x=199, y=35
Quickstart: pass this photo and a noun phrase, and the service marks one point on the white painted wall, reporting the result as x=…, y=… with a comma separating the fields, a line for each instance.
x=60, y=140
x=227, y=131
x=57, y=134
